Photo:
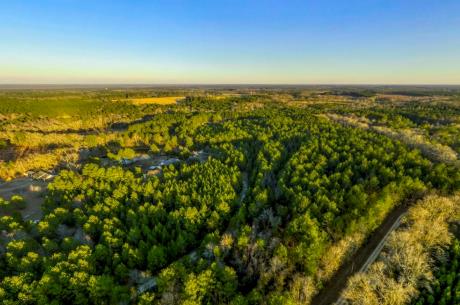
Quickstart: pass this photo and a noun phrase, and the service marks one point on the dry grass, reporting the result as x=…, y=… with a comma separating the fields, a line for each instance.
x=35, y=150
x=165, y=100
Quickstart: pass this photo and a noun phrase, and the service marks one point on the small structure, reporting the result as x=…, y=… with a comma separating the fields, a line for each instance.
x=154, y=170
x=40, y=175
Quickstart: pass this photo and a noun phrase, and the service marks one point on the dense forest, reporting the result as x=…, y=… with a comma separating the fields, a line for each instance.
x=446, y=286
x=291, y=184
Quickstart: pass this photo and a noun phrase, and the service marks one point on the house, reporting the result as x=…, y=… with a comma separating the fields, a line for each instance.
x=156, y=169
x=40, y=175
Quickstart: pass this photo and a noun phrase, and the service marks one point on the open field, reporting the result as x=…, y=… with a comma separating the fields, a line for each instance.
x=164, y=100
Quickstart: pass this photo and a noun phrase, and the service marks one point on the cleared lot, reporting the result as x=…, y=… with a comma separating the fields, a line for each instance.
x=31, y=190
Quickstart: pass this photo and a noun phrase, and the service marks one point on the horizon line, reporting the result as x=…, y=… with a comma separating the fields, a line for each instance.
x=157, y=85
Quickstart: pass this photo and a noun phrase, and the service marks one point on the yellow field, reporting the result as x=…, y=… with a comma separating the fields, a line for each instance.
x=165, y=100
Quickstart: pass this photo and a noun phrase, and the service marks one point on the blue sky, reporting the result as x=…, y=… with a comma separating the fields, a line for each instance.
x=300, y=42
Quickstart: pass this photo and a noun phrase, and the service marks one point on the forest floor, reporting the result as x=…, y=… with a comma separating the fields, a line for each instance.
x=330, y=294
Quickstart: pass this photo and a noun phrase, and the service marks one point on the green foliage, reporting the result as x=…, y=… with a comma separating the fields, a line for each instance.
x=445, y=288
x=277, y=187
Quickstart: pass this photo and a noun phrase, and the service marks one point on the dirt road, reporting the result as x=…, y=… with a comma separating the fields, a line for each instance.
x=365, y=256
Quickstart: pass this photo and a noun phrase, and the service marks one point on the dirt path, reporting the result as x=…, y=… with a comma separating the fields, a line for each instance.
x=12, y=186
x=365, y=256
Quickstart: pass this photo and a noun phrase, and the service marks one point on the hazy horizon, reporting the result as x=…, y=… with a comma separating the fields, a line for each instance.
x=230, y=42
x=217, y=86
